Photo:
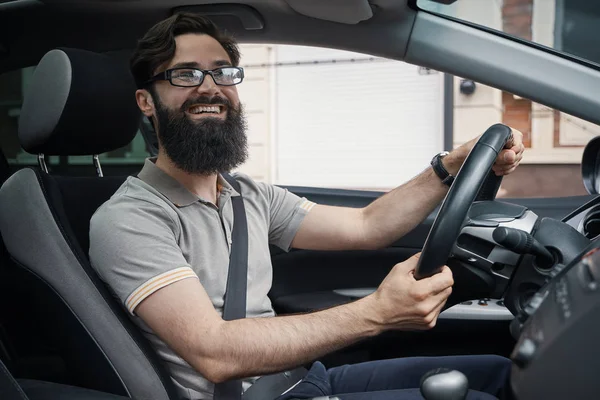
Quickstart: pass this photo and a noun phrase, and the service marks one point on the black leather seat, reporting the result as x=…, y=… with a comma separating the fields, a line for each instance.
x=78, y=103
x=10, y=389
x=39, y=390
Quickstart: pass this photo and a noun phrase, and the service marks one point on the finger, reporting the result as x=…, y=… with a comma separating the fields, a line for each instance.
x=498, y=166
x=505, y=171
x=439, y=282
x=507, y=156
x=409, y=264
x=518, y=158
x=440, y=298
x=442, y=301
x=518, y=149
x=516, y=137
x=510, y=171
x=504, y=168
x=437, y=303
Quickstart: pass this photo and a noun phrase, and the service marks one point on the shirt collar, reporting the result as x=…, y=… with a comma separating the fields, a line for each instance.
x=175, y=191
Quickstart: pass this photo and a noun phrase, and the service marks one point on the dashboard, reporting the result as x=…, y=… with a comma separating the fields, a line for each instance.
x=557, y=354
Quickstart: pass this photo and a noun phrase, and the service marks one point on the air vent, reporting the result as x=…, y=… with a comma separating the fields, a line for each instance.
x=590, y=225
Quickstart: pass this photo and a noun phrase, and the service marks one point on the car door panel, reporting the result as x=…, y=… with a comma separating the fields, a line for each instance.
x=305, y=281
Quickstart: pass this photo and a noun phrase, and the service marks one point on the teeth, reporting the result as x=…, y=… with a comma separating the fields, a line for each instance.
x=205, y=109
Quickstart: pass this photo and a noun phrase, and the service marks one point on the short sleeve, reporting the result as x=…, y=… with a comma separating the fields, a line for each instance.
x=286, y=213
x=134, y=249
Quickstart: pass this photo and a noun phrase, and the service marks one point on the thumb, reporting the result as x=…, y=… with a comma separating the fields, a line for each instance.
x=409, y=264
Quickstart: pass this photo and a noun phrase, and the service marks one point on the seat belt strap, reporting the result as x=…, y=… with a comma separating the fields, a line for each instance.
x=237, y=278
x=237, y=281
x=270, y=386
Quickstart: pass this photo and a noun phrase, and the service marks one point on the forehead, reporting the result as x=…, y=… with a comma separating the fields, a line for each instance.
x=202, y=49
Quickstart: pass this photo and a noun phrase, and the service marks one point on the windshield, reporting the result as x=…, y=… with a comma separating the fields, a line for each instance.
x=568, y=26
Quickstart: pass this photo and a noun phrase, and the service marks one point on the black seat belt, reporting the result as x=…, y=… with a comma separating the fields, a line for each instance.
x=237, y=281
x=269, y=386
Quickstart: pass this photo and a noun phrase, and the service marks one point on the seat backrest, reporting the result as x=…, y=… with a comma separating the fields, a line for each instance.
x=78, y=103
x=9, y=388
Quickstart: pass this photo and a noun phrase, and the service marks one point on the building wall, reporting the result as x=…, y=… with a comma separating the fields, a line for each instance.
x=333, y=118
x=255, y=93
x=554, y=140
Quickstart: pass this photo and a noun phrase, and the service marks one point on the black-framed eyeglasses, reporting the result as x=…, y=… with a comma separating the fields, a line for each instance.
x=189, y=77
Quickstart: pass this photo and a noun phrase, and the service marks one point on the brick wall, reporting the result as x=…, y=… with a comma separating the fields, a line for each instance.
x=517, y=18
x=516, y=113
x=543, y=180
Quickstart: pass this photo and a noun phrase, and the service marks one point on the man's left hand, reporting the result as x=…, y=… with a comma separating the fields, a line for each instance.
x=506, y=162
x=511, y=156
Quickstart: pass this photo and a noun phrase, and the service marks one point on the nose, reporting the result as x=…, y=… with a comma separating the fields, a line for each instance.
x=208, y=87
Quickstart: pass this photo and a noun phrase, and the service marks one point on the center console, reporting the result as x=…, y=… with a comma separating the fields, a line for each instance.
x=557, y=355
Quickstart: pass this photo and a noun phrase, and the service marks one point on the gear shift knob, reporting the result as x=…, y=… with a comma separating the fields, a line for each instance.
x=444, y=384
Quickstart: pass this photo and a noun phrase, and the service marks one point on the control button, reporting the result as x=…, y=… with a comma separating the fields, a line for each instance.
x=482, y=303
x=586, y=276
x=467, y=303
x=556, y=270
x=535, y=302
x=500, y=303
x=486, y=299
x=524, y=353
x=484, y=223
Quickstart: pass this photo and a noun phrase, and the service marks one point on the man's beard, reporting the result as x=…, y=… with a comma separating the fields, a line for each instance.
x=210, y=145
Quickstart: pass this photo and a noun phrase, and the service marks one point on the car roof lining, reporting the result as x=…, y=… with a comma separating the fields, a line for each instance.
x=28, y=32
x=342, y=11
x=30, y=28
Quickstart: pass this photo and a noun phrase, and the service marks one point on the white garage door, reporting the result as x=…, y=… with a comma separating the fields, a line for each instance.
x=368, y=124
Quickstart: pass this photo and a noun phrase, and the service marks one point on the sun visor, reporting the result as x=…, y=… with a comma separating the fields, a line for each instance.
x=343, y=11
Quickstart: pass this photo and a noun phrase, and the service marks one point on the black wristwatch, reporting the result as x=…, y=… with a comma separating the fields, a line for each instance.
x=440, y=171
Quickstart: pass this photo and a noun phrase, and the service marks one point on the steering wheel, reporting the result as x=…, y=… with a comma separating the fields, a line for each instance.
x=475, y=181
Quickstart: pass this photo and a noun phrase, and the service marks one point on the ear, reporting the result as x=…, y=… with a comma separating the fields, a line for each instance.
x=145, y=102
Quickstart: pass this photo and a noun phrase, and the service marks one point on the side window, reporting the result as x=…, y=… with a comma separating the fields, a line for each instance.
x=329, y=118
x=12, y=87
x=554, y=140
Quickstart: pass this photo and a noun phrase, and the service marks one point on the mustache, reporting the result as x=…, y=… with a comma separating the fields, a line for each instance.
x=205, y=100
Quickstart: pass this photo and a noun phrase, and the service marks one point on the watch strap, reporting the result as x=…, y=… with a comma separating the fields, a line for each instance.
x=440, y=170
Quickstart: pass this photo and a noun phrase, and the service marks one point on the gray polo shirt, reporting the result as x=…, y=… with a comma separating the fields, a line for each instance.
x=153, y=232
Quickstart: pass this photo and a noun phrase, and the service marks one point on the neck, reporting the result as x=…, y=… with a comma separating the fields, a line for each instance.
x=204, y=186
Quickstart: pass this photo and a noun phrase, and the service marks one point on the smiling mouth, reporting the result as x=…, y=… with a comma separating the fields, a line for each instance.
x=206, y=109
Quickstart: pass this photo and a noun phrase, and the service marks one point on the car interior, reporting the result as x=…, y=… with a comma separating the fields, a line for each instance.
x=531, y=261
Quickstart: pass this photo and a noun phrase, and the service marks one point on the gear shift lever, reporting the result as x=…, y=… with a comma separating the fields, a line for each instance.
x=444, y=384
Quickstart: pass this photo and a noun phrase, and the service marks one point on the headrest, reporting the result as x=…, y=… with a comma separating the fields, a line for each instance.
x=78, y=103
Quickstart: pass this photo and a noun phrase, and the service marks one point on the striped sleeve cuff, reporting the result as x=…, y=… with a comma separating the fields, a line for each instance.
x=287, y=236
x=307, y=205
x=158, y=282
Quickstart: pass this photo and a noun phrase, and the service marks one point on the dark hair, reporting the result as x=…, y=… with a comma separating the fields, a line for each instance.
x=158, y=44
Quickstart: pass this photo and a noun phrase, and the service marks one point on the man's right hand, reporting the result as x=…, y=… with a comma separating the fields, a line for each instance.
x=402, y=302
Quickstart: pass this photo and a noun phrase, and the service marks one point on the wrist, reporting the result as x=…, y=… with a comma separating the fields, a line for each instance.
x=452, y=162
x=372, y=311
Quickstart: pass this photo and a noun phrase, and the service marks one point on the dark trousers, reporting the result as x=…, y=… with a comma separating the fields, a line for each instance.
x=399, y=378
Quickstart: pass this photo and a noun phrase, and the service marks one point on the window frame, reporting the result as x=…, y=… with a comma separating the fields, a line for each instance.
x=571, y=57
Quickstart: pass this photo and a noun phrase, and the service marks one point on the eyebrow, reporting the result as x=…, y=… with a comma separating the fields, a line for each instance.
x=194, y=64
